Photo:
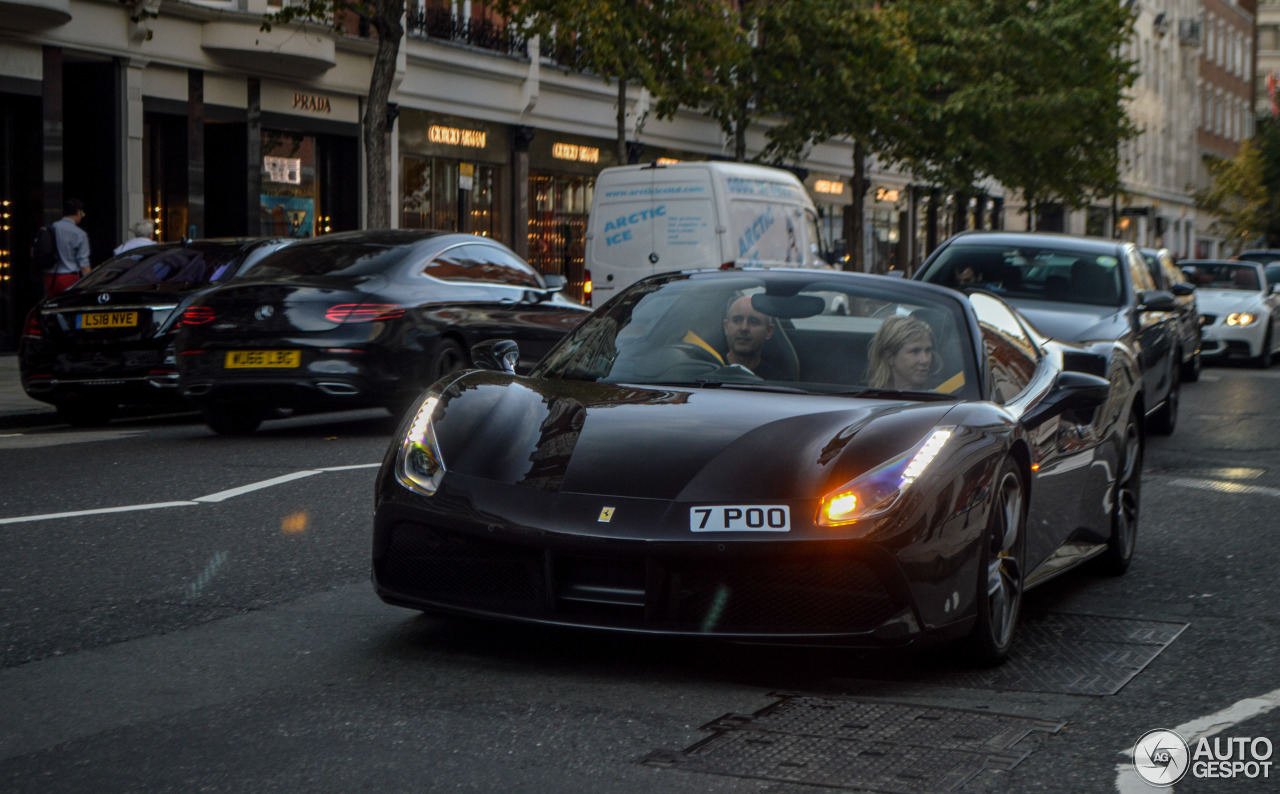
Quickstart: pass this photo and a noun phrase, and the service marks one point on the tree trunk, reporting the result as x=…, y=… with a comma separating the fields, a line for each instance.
x=622, y=121
x=386, y=21
x=740, y=122
x=857, y=224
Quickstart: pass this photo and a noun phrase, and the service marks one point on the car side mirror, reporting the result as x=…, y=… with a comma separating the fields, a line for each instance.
x=1275, y=288
x=497, y=355
x=1080, y=391
x=1182, y=288
x=555, y=282
x=1156, y=300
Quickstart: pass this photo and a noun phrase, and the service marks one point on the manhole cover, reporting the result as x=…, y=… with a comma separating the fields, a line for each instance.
x=1054, y=652
x=856, y=744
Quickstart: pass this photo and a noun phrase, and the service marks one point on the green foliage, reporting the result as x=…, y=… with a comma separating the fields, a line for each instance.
x=665, y=46
x=1028, y=92
x=1239, y=197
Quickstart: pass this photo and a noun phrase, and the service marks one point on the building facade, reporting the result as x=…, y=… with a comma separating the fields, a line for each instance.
x=185, y=111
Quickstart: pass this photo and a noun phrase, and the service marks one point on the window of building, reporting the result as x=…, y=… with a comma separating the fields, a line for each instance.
x=435, y=197
x=558, y=208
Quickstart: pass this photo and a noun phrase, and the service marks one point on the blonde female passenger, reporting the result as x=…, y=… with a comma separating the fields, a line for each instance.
x=903, y=355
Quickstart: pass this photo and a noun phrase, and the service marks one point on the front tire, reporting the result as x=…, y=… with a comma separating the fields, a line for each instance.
x=1125, y=505
x=1191, y=369
x=446, y=358
x=1001, y=573
x=1165, y=419
x=1263, y=359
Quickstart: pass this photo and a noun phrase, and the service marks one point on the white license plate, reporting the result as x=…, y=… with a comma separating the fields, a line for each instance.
x=740, y=518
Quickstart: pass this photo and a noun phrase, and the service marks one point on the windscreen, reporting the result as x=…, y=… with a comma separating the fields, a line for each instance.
x=1049, y=273
x=780, y=331
x=1224, y=275
x=168, y=268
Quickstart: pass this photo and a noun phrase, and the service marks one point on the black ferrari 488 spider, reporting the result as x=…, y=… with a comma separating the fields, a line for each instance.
x=767, y=456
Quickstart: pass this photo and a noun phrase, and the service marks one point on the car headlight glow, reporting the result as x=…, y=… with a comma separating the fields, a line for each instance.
x=1241, y=318
x=874, y=492
x=419, y=465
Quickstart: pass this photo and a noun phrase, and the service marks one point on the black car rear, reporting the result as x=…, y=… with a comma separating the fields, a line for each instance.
x=359, y=320
x=108, y=341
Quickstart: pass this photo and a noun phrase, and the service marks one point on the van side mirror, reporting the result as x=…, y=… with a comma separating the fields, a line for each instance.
x=497, y=355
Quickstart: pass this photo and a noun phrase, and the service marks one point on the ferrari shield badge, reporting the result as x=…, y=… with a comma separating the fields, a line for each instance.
x=606, y=515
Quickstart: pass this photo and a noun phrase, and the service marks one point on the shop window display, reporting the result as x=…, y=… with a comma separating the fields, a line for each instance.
x=289, y=191
x=558, y=208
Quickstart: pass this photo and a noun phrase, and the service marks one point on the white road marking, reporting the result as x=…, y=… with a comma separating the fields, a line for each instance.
x=211, y=498
x=256, y=486
x=1129, y=782
x=1223, y=486
x=98, y=511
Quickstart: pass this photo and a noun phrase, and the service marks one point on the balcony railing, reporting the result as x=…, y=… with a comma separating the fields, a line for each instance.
x=441, y=23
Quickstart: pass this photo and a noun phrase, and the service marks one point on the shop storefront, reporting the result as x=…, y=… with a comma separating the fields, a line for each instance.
x=832, y=198
x=299, y=156
x=310, y=162
x=455, y=174
x=562, y=177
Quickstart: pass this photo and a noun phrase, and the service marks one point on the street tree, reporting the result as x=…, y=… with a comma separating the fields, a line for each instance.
x=1239, y=198
x=836, y=69
x=663, y=46
x=1030, y=93
x=1266, y=139
x=384, y=18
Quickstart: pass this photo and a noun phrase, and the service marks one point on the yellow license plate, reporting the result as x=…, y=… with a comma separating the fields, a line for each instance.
x=250, y=359
x=107, y=320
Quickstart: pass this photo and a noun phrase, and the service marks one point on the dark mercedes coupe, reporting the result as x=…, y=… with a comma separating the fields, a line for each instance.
x=638, y=480
x=1078, y=289
x=360, y=319
x=108, y=341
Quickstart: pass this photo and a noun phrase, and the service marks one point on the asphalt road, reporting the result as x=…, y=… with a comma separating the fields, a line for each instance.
x=219, y=634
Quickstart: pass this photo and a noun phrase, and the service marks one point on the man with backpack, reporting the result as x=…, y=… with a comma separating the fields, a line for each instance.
x=61, y=250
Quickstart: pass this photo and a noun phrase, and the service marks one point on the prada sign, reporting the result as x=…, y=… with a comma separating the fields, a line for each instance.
x=312, y=102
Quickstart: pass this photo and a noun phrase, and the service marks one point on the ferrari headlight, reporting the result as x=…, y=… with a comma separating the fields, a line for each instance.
x=419, y=465
x=1241, y=318
x=877, y=490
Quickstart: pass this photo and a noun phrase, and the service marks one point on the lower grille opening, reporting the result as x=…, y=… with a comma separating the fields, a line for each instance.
x=599, y=587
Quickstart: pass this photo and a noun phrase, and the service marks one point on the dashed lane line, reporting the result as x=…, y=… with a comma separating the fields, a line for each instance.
x=1129, y=782
x=209, y=499
x=1223, y=486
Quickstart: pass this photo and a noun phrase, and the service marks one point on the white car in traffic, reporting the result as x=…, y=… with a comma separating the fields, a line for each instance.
x=1240, y=310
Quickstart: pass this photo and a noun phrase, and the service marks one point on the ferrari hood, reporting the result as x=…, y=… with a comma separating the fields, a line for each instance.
x=668, y=442
x=1072, y=322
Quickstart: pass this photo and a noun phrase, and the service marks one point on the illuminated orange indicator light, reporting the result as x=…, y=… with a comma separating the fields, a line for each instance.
x=1035, y=467
x=841, y=508
x=294, y=523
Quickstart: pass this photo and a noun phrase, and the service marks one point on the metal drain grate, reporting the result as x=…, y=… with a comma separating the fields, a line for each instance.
x=1054, y=652
x=856, y=744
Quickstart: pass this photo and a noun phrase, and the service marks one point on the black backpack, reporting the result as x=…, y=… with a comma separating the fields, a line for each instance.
x=44, y=250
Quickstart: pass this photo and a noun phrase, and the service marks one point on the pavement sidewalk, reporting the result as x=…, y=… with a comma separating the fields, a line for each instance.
x=16, y=408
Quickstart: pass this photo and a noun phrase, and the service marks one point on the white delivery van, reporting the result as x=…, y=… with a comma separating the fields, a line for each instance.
x=658, y=218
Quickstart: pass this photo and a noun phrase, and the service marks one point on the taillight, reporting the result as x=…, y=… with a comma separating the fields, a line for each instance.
x=586, y=288
x=32, y=329
x=728, y=265
x=363, y=312
x=197, y=315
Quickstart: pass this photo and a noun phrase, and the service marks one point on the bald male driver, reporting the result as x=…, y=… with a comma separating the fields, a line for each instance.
x=746, y=331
